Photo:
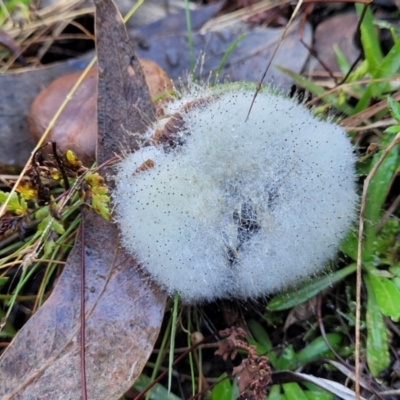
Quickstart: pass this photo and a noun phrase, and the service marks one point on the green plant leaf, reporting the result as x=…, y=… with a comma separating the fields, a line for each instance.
x=49, y=246
x=378, y=66
x=378, y=357
x=317, y=90
x=370, y=40
x=172, y=340
x=275, y=393
x=3, y=280
x=308, y=290
x=377, y=192
x=293, y=391
x=262, y=342
x=318, y=395
x=389, y=66
x=42, y=212
x=189, y=36
x=58, y=227
x=260, y=334
x=235, y=390
x=394, y=108
x=223, y=389
x=15, y=205
x=392, y=129
x=55, y=225
x=98, y=193
x=315, y=392
x=226, y=55
x=387, y=295
x=341, y=59
x=287, y=359
x=349, y=245
x=7, y=330
x=100, y=205
x=364, y=101
x=358, y=74
x=157, y=392
x=318, y=347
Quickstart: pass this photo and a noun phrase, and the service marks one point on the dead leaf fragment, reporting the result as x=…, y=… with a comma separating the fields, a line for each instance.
x=123, y=310
x=339, y=31
x=253, y=373
x=300, y=313
x=123, y=314
x=76, y=128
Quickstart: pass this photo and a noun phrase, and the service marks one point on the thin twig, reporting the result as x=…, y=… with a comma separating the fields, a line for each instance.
x=298, y=5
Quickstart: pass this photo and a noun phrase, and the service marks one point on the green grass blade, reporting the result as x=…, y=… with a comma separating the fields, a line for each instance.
x=341, y=60
x=159, y=355
x=191, y=363
x=226, y=55
x=378, y=357
x=364, y=101
x=390, y=64
x=370, y=40
x=386, y=69
x=317, y=91
x=190, y=36
x=318, y=347
x=172, y=343
x=308, y=290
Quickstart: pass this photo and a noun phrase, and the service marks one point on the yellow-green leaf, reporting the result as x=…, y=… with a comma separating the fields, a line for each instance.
x=72, y=159
x=27, y=190
x=100, y=206
x=15, y=205
x=58, y=227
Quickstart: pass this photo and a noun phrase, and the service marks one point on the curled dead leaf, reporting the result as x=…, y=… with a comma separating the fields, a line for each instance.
x=253, y=373
x=122, y=309
x=76, y=127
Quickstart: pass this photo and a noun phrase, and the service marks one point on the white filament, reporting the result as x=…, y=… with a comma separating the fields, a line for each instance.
x=185, y=219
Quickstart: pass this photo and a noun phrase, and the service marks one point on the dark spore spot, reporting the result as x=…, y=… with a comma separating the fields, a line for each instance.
x=247, y=226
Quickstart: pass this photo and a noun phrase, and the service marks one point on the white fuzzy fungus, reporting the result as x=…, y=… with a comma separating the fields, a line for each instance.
x=238, y=209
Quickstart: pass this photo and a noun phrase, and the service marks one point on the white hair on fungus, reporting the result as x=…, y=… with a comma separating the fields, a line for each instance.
x=236, y=208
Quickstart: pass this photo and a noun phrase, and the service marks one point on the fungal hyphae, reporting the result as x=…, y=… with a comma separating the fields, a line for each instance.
x=216, y=206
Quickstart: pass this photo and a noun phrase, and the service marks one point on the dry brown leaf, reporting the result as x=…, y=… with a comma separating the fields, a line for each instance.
x=123, y=316
x=340, y=31
x=247, y=60
x=300, y=313
x=124, y=310
x=76, y=127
